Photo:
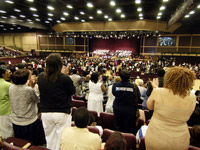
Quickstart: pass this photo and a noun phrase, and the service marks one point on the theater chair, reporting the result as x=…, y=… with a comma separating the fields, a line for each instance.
x=73, y=111
x=107, y=120
x=76, y=97
x=95, y=115
x=7, y=146
x=78, y=103
x=93, y=129
x=130, y=138
x=193, y=148
x=18, y=142
x=38, y=148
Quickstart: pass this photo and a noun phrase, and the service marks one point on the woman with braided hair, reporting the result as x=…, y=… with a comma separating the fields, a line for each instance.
x=173, y=106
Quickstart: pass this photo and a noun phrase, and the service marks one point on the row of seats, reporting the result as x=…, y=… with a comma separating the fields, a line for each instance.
x=13, y=143
x=130, y=139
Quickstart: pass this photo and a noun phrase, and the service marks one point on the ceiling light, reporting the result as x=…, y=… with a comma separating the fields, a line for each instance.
x=35, y=15
x=22, y=16
x=122, y=16
x=3, y=17
x=141, y=18
x=1, y=25
x=187, y=16
x=12, y=16
x=76, y=18
x=82, y=13
x=4, y=29
x=29, y=20
x=198, y=6
x=66, y=13
x=162, y=8
x=47, y=22
x=30, y=0
x=11, y=28
x=69, y=6
x=37, y=19
x=160, y=14
x=2, y=11
x=10, y=2
x=118, y=10
x=112, y=3
x=20, y=20
x=33, y=9
x=91, y=17
x=137, y=1
x=139, y=9
x=165, y=0
x=106, y=16
x=158, y=17
x=19, y=28
x=90, y=5
x=17, y=10
x=110, y=19
x=49, y=19
x=50, y=7
x=191, y=12
x=62, y=18
x=50, y=14
x=82, y=20
x=140, y=14
x=58, y=21
x=99, y=12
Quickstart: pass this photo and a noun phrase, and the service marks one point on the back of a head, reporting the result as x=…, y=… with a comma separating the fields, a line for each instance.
x=124, y=75
x=74, y=71
x=2, y=70
x=20, y=76
x=81, y=117
x=116, y=141
x=117, y=79
x=179, y=80
x=87, y=78
x=95, y=77
x=160, y=72
x=139, y=82
x=54, y=65
x=21, y=66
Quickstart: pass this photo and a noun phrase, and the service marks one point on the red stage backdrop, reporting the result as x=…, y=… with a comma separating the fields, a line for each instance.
x=113, y=45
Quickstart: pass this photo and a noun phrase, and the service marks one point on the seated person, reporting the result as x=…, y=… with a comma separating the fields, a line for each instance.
x=79, y=137
x=116, y=141
x=141, y=133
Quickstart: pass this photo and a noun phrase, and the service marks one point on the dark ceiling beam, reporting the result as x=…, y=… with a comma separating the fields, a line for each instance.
x=181, y=10
x=128, y=25
x=24, y=23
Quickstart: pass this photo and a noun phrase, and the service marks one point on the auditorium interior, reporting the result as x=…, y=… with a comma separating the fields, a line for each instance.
x=137, y=34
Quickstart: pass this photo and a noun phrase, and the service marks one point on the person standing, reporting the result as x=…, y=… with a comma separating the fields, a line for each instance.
x=76, y=81
x=95, y=98
x=173, y=106
x=124, y=106
x=23, y=100
x=56, y=90
x=6, y=129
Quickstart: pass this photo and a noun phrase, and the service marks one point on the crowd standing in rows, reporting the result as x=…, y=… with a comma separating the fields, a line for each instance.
x=96, y=81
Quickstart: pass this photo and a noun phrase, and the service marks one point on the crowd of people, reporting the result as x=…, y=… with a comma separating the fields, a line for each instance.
x=4, y=52
x=47, y=87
